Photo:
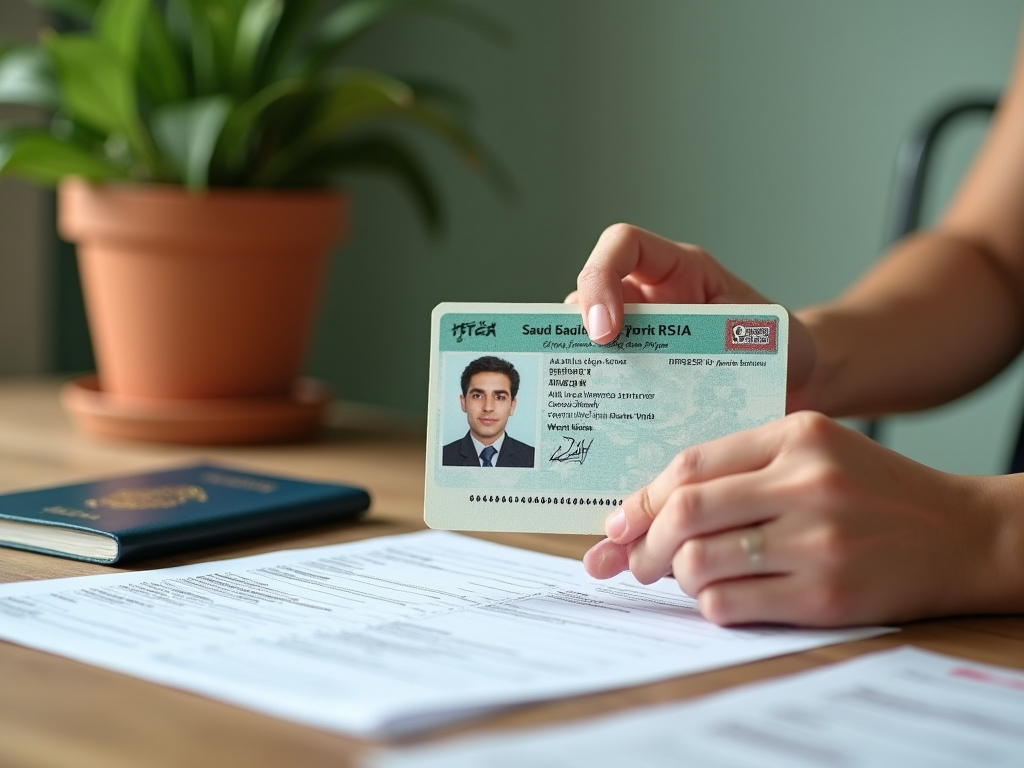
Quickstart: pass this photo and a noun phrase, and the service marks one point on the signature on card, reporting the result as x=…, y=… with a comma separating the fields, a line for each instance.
x=572, y=451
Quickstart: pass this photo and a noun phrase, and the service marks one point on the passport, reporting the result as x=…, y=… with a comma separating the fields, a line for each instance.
x=131, y=517
x=532, y=427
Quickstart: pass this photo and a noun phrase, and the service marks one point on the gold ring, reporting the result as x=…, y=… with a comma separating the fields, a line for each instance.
x=752, y=544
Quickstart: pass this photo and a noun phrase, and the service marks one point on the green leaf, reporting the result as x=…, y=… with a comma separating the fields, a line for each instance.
x=441, y=96
x=79, y=10
x=473, y=152
x=197, y=37
x=295, y=15
x=176, y=19
x=160, y=71
x=354, y=97
x=344, y=25
x=26, y=78
x=63, y=127
x=214, y=28
x=119, y=24
x=196, y=91
x=353, y=107
x=42, y=158
x=255, y=30
x=187, y=134
x=244, y=121
x=377, y=154
x=97, y=88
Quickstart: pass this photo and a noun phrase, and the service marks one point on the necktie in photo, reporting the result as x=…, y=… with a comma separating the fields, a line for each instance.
x=487, y=454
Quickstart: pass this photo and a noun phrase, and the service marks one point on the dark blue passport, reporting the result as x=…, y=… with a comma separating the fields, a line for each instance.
x=154, y=513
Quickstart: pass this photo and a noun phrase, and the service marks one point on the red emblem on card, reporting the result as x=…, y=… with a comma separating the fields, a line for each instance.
x=752, y=335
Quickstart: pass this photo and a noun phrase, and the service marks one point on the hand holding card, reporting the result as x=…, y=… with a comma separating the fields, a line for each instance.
x=533, y=427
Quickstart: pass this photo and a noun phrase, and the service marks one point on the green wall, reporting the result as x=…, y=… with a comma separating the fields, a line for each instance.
x=765, y=131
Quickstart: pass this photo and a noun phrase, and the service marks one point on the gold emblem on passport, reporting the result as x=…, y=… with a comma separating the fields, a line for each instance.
x=161, y=497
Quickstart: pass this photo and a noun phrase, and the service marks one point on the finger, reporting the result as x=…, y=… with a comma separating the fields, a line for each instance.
x=637, y=287
x=700, y=510
x=706, y=560
x=760, y=599
x=739, y=452
x=795, y=598
x=622, y=251
x=605, y=559
x=669, y=272
x=631, y=292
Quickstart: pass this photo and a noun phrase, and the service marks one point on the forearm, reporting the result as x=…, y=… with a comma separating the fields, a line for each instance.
x=938, y=316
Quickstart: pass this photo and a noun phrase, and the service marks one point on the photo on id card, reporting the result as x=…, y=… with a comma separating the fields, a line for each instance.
x=533, y=427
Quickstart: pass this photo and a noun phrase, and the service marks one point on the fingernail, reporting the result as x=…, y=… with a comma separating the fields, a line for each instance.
x=615, y=525
x=599, y=322
x=605, y=560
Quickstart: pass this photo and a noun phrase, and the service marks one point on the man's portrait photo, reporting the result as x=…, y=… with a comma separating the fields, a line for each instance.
x=489, y=389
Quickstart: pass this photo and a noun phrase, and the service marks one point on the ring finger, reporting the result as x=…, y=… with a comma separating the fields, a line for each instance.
x=698, y=510
x=737, y=554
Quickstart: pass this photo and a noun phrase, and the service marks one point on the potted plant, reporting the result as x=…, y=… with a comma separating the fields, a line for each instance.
x=197, y=147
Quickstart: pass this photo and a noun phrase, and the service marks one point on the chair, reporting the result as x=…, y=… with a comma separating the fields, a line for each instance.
x=913, y=169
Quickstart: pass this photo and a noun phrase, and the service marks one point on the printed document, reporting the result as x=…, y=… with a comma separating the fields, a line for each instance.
x=905, y=707
x=386, y=636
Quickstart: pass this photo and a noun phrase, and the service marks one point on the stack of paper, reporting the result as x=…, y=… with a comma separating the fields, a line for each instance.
x=385, y=636
x=898, y=708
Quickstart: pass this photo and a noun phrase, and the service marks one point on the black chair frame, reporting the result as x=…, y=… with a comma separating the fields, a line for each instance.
x=913, y=172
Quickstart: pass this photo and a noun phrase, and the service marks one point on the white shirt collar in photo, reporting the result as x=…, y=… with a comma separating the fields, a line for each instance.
x=496, y=445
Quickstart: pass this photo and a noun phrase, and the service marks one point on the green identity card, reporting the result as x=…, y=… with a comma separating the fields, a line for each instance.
x=533, y=427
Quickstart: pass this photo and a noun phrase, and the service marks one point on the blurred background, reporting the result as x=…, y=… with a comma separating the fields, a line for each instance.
x=766, y=132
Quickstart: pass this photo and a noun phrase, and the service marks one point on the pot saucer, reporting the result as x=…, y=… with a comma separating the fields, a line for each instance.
x=228, y=421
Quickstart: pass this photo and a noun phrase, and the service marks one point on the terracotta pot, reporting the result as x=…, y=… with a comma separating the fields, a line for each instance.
x=199, y=296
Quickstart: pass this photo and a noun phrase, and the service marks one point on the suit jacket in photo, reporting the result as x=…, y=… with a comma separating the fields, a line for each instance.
x=462, y=453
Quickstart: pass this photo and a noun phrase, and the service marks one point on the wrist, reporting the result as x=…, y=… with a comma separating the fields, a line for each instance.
x=994, y=577
x=809, y=364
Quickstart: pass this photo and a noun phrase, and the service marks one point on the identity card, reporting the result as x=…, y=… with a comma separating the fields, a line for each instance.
x=533, y=427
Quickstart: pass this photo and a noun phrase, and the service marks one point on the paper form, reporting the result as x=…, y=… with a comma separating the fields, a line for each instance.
x=904, y=707
x=385, y=636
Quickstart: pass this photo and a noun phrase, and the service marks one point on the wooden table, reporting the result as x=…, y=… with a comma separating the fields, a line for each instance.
x=57, y=712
